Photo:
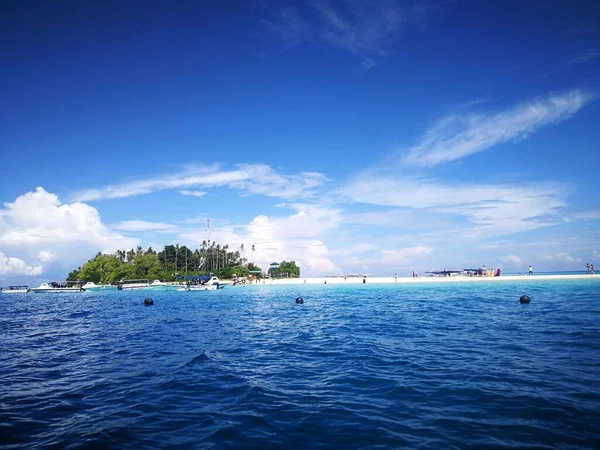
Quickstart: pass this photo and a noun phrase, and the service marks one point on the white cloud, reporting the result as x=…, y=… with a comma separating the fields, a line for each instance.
x=512, y=259
x=12, y=267
x=587, y=215
x=491, y=210
x=457, y=136
x=404, y=255
x=367, y=29
x=143, y=225
x=265, y=181
x=193, y=193
x=252, y=178
x=45, y=257
x=37, y=226
x=298, y=237
x=367, y=258
x=563, y=257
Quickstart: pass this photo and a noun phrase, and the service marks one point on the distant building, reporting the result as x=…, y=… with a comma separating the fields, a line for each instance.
x=274, y=269
x=255, y=274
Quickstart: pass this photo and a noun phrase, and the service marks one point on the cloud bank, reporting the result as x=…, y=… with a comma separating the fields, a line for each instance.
x=53, y=236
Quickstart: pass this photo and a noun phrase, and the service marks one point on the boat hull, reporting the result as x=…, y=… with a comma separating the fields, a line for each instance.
x=141, y=286
x=101, y=288
x=209, y=287
x=16, y=291
x=57, y=290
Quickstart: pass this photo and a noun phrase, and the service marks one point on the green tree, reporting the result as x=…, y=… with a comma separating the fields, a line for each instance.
x=289, y=269
x=74, y=275
x=209, y=257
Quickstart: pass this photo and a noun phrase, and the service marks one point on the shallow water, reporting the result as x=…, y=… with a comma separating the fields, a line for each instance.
x=427, y=366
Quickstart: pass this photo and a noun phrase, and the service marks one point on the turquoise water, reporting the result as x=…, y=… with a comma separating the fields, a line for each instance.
x=419, y=366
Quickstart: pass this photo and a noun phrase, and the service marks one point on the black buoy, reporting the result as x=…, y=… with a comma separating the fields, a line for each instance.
x=148, y=302
x=524, y=299
x=299, y=300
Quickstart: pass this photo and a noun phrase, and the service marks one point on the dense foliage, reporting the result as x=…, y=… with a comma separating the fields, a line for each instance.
x=287, y=269
x=166, y=265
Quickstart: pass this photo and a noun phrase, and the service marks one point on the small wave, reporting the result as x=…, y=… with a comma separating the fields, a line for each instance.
x=199, y=359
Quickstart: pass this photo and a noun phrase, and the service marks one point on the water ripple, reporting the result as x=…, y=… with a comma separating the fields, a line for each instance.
x=376, y=367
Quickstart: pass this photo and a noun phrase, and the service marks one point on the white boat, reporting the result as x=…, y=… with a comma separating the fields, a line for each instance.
x=59, y=286
x=202, y=283
x=128, y=285
x=91, y=286
x=16, y=290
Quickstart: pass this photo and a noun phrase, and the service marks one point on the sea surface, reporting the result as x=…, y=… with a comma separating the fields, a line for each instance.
x=390, y=366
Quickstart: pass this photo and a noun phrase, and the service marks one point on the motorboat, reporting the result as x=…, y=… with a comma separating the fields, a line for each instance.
x=91, y=286
x=128, y=285
x=16, y=290
x=202, y=283
x=60, y=286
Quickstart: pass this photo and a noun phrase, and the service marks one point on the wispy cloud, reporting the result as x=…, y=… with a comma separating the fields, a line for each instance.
x=489, y=210
x=143, y=225
x=363, y=257
x=458, y=136
x=367, y=29
x=249, y=178
x=512, y=259
x=192, y=193
x=585, y=56
x=564, y=257
x=593, y=214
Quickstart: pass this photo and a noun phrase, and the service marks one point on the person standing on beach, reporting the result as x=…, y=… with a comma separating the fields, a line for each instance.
x=530, y=270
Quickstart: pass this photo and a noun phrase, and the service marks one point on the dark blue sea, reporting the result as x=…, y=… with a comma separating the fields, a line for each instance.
x=416, y=366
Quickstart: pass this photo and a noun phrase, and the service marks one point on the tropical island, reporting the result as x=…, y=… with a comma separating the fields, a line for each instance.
x=176, y=261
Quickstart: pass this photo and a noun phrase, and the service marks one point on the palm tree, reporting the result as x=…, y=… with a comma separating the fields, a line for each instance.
x=212, y=255
x=253, y=250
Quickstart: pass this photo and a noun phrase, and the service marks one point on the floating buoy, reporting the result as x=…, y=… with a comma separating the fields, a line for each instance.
x=299, y=300
x=524, y=299
x=148, y=302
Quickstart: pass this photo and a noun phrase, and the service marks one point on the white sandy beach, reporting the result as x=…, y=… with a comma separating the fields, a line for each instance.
x=423, y=280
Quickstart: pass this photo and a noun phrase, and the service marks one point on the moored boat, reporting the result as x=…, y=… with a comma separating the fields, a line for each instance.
x=202, y=283
x=16, y=290
x=91, y=286
x=127, y=285
x=59, y=286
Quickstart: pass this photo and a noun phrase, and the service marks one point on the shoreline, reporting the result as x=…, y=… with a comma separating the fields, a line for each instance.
x=409, y=280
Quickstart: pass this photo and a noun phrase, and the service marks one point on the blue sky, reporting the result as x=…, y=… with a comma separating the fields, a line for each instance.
x=350, y=136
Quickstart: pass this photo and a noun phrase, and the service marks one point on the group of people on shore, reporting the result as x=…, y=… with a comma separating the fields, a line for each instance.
x=590, y=268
